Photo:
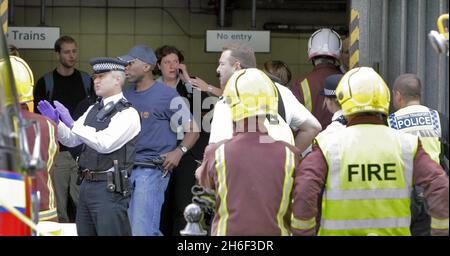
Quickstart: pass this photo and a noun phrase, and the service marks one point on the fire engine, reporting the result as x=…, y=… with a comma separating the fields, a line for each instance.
x=18, y=197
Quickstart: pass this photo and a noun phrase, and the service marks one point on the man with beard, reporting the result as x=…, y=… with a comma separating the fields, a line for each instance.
x=69, y=86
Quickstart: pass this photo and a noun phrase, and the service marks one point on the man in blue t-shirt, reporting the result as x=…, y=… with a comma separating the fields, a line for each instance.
x=162, y=112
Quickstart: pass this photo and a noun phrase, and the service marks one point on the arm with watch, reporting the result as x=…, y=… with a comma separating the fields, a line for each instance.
x=201, y=85
x=191, y=135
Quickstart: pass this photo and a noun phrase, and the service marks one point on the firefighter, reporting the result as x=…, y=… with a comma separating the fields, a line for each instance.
x=252, y=180
x=367, y=170
x=23, y=78
x=324, y=51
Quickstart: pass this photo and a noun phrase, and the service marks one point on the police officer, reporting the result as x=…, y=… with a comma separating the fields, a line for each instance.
x=367, y=170
x=432, y=128
x=108, y=130
x=330, y=101
x=414, y=118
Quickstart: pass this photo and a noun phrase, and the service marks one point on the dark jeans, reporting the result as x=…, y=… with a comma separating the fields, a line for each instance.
x=102, y=213
x=178, y=196
x=66, y=190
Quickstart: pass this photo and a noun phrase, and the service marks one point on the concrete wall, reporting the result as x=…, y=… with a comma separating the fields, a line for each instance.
x=110, y=28
x=394, y=40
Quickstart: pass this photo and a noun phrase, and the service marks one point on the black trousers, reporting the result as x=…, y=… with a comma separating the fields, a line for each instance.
x=102, y=213
x=177, y=196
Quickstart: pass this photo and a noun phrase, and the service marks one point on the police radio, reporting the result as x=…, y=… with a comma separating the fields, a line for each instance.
x=104, y=112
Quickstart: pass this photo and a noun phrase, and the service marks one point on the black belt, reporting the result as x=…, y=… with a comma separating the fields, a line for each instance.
x=94, y=176
x=147, y=165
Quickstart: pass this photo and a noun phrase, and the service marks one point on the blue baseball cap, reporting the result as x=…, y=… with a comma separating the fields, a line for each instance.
x=141, y=52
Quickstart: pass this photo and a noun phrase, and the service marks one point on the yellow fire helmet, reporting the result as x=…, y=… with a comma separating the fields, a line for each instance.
x=250, y=92
x=363, y=90
x=23, y=78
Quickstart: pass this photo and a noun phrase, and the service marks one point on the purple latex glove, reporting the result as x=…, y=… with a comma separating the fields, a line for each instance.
x=64, y=114
x=48, y=110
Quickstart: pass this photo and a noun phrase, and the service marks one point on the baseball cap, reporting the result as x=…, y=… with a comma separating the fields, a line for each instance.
x=331, y=83
x=104, y=64
x=141, y=52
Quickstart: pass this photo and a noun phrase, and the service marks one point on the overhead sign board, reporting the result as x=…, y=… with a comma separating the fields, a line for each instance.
x=33, y=37
x=258, y=40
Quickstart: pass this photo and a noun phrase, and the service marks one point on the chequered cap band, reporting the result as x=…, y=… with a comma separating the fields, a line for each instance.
x=106, y=67
x=328, y=92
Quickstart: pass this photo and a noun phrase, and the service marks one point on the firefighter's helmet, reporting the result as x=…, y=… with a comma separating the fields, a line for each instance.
x=23, y=78
x=250, y=92
x=324, y=42
x=439, y=40
x=363, y=90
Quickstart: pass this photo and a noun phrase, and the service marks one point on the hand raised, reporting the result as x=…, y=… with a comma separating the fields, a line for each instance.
x=48, y=110
x=64, y=114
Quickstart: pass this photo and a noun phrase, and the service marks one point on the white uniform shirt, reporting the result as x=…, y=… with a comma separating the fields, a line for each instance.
x=296, y=114
x=123, y=127
x=334, y=125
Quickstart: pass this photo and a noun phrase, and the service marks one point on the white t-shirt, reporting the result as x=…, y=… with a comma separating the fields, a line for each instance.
x=296, y=114
x=334, y=125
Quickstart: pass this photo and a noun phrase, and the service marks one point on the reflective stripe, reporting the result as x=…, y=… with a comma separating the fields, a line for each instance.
x=46, y=215
x=408, y=160
x=287, y=187
x=303, y=224
x=427, y=134
x=337, y=194
x=52, y=149
x=334, y=166
x=366, y=223
x=222, y=190
x=306, y=94
x=439, y=223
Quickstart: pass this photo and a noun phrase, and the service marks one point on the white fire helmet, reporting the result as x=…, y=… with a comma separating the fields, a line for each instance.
x=324, y=42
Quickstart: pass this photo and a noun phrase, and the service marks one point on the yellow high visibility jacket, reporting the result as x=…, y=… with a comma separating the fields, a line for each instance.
x=423, y=122
x=367, y=192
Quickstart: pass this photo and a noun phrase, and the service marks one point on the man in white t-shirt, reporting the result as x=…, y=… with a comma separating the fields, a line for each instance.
x=293, y=121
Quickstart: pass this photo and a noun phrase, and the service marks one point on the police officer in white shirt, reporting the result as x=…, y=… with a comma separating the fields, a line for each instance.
x=338, y=120
x=108, y=130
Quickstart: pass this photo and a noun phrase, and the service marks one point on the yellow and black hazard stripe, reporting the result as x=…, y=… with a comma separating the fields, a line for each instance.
x=4, y=15
x=354, y=39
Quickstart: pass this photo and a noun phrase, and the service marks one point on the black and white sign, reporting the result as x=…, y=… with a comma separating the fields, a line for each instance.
x=33, y=37
x=258, y=40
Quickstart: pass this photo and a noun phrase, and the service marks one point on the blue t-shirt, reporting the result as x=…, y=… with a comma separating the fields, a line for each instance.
x=156, y=106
